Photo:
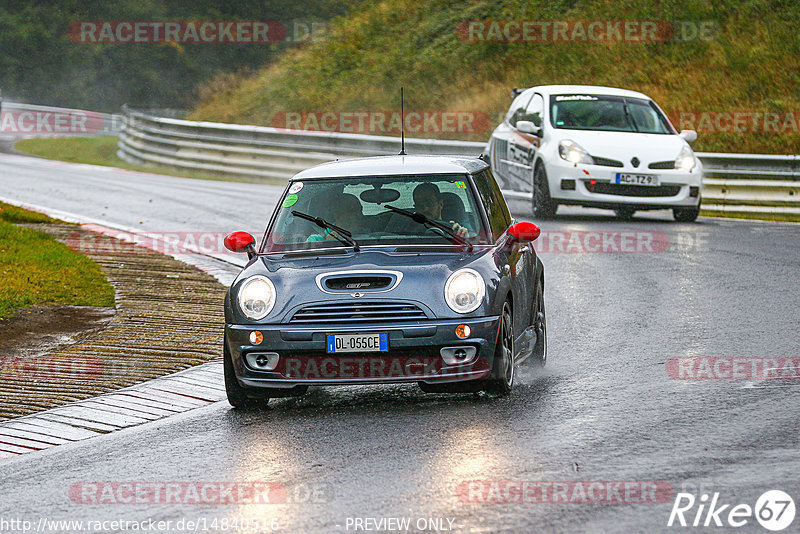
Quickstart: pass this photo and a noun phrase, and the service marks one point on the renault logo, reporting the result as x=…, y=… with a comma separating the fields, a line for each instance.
x=635, y=161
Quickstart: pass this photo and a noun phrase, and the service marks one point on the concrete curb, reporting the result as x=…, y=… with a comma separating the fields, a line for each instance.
x=169, y=317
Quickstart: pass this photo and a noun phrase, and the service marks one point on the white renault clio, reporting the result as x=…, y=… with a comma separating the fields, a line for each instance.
x=595, y=146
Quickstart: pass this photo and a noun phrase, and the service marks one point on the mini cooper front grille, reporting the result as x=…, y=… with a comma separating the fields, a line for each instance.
x=627, y=190
x=358, y=283
x=606, y=162
x=662, y=165
x=357, y=312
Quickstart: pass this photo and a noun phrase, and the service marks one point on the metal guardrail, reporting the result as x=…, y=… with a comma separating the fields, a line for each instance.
x=30, y=120
x=759, y=185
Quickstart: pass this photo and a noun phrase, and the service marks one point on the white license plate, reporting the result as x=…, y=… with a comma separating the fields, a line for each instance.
x=358, y=343
x=637, y=179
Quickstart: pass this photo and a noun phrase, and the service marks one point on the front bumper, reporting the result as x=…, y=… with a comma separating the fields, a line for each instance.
x=414, y=353
x=676, y=188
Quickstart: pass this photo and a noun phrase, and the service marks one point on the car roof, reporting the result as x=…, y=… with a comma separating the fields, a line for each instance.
x=394, y=165
x=590, y=89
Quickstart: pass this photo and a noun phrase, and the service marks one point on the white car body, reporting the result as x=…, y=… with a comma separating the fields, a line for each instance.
x=530, y=137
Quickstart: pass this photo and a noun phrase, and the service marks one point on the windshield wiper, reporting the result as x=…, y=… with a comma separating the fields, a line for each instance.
x=628, y=116
x=428, y=222
x=336, y=231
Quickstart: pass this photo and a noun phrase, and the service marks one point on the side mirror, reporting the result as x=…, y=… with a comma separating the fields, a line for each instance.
x=529, y=128
x=689, y=135
x=524, y=231
x=241, y=242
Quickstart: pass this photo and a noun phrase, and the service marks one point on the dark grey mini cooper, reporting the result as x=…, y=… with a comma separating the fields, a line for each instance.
x=385, y=269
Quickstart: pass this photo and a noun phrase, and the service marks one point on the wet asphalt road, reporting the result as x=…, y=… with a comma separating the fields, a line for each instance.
x=605, y=408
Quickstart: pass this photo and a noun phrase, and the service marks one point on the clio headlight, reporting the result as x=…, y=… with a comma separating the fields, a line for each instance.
x=685, y=160
x=464, y=291
x=257, y=297
x=573, y=152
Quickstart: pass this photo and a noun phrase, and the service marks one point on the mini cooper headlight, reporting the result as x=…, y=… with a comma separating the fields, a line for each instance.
x=257, y=297
x=685, y=160
x=464, y=290
x=573, y=152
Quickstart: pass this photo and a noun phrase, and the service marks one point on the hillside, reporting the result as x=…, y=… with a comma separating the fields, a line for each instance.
x=47, y=58
x=729, y=69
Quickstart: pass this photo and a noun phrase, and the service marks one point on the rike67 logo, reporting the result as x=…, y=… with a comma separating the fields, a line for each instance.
x=774, y=510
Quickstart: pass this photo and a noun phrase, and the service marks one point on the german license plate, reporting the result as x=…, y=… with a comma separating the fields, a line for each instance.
x=637, y=179
x=358, y=342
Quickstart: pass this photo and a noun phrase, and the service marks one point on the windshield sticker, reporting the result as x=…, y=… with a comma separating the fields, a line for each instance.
x=290, y=201
x=561, y=98
x=461, y=185
x=296, y=187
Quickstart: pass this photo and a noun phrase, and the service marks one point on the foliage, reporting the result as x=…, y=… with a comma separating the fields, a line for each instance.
x=751, y=64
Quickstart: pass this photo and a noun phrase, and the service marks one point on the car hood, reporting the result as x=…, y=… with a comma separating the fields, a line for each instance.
x=423, y=277
x=623, y=146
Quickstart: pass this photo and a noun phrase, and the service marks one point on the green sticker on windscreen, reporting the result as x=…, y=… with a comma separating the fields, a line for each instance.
x=290, y=201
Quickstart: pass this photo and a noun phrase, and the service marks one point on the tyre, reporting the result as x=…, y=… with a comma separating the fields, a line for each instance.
x=625, y=214
x=544, y=207
x=241, y=398
x=237, y=395
x=540, y=324
x=501, y=380
x=686, y=214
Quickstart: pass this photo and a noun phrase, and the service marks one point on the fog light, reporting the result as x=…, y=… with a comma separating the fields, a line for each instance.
x=262, y=361
x=568, y=185
x=256, y=337
x=463, y=331
x=694, y=191
x=458, y=355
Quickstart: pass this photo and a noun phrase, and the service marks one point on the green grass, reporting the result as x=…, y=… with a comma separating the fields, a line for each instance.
x=103, y=151
x=751, y=64
x=775, y=217
x=13, y=214
x=37, y=269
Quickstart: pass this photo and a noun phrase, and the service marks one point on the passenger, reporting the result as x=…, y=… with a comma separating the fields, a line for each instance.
x=346, y=213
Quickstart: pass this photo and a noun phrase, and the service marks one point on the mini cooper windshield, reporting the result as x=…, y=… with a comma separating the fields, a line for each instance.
x=386, y=210
x=607, y=113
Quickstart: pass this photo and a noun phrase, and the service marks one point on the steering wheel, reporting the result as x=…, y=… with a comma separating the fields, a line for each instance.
x=436, y=231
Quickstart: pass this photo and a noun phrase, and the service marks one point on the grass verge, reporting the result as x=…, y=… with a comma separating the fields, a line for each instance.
x=37, y=269
x=103, y=151
x=750, y=216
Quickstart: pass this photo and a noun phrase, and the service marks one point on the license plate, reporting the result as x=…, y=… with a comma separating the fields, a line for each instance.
x=637, y=179
x=358, y=342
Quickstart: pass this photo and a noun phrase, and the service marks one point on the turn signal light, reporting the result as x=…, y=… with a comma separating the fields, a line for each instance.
x=463, y=331
x=256, y=337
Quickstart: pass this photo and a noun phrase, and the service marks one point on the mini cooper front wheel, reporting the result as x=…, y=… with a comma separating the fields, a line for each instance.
x=501, y=379
x=237, y=395
x=540, y=325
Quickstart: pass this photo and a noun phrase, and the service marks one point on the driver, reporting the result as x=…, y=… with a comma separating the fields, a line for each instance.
x=428, y=201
